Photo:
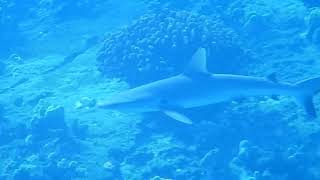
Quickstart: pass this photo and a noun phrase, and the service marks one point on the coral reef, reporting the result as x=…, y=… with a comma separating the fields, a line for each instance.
x=212, y=165
x=163, y=158
x=311, y=3
x=260, y=164
x=47, y=150
x=161, y=42
x=10, y=130
x=249, y=139
x=222, y=3
x=257, y=24
x=178, y=4
x=263, y=22
x=49, y=120
x=79, y=130
x=34, y=168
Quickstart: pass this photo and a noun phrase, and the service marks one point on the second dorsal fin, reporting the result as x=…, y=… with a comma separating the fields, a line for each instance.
x=198, y=63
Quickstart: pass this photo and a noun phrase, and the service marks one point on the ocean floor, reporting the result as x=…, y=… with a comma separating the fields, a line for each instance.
x=51, y=129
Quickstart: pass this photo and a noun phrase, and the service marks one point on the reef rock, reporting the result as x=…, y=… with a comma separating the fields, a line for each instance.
x=49, y=120
x=311, y=3
x=78, y=129
x=257, y=163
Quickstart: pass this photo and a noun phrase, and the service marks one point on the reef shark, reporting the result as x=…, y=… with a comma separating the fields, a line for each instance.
x=197, y=87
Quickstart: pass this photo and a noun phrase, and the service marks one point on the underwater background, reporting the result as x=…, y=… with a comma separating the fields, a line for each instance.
x=58, y=58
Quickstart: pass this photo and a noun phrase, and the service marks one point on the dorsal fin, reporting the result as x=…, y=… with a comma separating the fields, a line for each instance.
x=198, y=63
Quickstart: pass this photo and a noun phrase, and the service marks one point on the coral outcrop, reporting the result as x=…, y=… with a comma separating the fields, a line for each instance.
x=161, y=42
x=34, y=168
x=47, y=150
x=261, y=164
x=49, y=122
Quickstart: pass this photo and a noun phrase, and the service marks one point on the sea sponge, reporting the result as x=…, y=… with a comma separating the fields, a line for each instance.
x=160, y=43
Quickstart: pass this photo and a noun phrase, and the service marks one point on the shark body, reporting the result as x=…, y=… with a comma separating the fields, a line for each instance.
x=197, y=87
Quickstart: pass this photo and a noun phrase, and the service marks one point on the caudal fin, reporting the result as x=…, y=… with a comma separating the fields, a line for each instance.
x=307, y=89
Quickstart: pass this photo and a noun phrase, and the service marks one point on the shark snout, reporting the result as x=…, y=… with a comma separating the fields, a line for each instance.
x=131, y=104
x=110, y=105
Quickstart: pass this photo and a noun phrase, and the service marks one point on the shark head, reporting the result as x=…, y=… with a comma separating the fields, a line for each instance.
x=129, y=101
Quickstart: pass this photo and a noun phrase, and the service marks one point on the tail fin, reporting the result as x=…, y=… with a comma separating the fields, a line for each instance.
x=307, y=89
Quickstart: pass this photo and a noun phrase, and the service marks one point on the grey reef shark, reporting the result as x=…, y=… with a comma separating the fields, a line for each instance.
x=197, y=87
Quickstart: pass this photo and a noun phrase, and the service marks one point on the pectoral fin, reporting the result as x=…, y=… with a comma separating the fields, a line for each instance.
x=177, y=116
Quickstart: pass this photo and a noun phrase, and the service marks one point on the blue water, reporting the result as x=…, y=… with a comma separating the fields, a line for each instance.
x=59, y=58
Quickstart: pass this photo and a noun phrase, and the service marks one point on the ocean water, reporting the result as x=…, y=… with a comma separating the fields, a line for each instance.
x=60, y=59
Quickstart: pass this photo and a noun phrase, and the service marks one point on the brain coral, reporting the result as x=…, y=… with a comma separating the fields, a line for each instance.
x=161, y=42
